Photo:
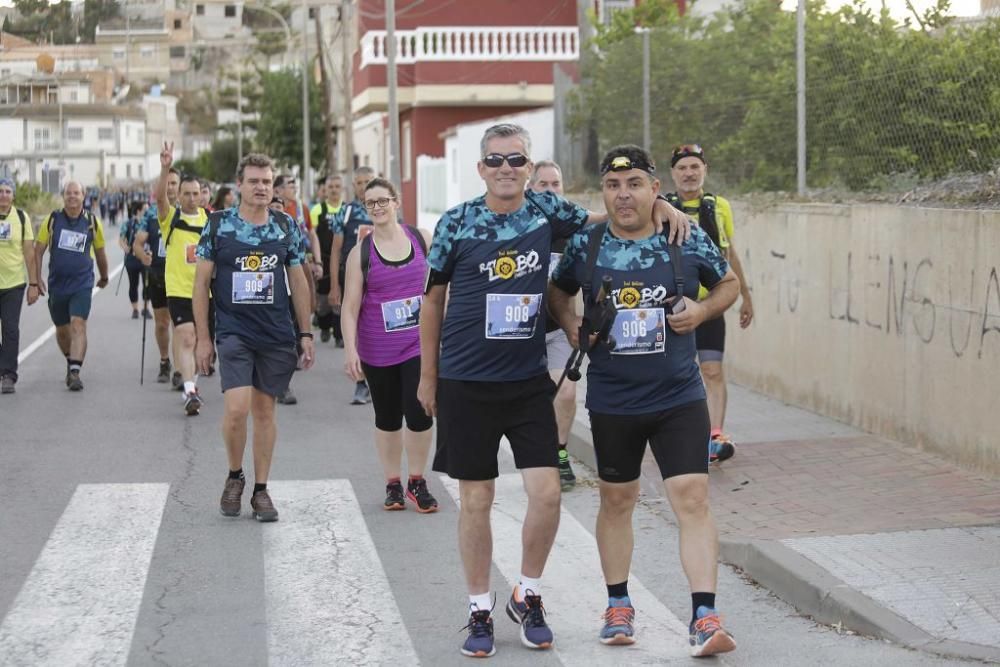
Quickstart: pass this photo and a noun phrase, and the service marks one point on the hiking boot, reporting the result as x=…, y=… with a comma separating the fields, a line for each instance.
x=619, y=620
x=720, y=448
x=567, y=480
x=707, y=635
x=417, y=493
x=135, y=314
x=176, y=381
x=324, y=335
x=395, y=499
x=361, y=394
x=192, y=403
x=164, y=375
x=288, y=398
x=7, y=384
x=530, y=615
x=231, y=495
x=479, y=643
x=73, y=381
x=263, y=508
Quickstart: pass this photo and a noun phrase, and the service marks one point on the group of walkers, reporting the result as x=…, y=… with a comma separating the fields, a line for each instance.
x=472, y=327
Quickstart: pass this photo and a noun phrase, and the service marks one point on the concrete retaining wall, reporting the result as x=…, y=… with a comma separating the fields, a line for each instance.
x=884, y=317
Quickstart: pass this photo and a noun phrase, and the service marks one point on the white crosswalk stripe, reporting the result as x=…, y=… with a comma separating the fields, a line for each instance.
x=573, y=589
x=329, y=601
x=80, y=602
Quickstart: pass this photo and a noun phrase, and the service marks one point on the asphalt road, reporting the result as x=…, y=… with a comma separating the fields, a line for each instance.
x=113, y=551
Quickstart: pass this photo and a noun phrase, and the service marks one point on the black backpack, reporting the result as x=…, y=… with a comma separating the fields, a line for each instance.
x=366, y=245
x=707, y=219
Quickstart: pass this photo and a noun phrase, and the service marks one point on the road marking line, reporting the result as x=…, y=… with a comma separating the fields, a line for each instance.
x=80, y=602
x=574, y=591
x=328, y=598
x=51, y=331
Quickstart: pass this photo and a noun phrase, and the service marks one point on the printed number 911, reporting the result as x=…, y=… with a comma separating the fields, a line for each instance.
x=254, y=286
x=404, y=312
x=634, y=329
x=517, y=313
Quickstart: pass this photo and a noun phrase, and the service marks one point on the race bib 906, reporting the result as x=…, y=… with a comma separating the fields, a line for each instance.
x=401, y=314
x=640, y=331
x=253, y=288
x=511, y=316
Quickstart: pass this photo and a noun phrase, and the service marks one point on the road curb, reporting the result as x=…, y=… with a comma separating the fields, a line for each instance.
x=809, y=588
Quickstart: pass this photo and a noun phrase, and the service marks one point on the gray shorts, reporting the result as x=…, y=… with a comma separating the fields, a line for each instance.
x=267, y=368
x=558, y=349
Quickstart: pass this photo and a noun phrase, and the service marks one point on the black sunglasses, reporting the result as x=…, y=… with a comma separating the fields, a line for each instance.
x=494, y=160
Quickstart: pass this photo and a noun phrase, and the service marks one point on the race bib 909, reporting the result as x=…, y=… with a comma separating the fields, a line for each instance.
x=253, y=288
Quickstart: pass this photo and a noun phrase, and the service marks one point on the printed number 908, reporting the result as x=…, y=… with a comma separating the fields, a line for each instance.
x=517, y=313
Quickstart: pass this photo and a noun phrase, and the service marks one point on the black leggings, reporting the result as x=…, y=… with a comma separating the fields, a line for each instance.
x=394, y=394
x=134, y=275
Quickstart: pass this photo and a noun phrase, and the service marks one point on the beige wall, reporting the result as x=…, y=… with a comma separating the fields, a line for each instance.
x=884, y=317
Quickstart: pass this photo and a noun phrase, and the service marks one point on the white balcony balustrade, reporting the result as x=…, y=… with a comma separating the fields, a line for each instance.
x=555, y=43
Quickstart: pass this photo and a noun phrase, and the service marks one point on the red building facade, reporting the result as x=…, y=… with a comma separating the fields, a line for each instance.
x=457, y=62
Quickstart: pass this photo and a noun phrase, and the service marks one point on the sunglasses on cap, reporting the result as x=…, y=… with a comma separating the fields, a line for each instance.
x=625, y=163
x=494, y=160
x=687, y=150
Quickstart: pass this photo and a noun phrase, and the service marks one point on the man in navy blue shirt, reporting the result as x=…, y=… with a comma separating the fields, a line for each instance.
x=484, y=371
x=645, y=387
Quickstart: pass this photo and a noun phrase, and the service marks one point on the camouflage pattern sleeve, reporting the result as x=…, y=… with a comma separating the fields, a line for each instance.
x=712, y=266
x=206, y=244
x=566, y=274
x=439, y=255
x=296, y=246
x=567, y=218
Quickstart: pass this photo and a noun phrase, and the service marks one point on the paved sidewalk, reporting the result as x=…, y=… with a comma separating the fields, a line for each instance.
x=853, y=529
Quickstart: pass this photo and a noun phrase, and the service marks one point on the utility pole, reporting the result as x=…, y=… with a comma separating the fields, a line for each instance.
x=306, y=177
x=347, y=70
x=128, y=45
x=800, y=75
x=646, y=140
x=390, y=35
x=239, y=108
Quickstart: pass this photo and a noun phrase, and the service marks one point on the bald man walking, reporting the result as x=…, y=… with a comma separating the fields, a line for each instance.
x=74, y=238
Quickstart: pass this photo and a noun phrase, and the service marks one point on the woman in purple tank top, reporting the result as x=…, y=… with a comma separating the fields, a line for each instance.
x=380, y=318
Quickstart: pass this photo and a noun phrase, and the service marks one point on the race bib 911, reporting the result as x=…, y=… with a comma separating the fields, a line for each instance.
x=640, y=331
x=511, y=316
x=253, y=288
x=401, y=314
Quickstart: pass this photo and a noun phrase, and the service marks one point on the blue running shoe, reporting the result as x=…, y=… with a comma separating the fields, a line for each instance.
x=618, y=622
x=530, y=615
x=720, y=448
x=479, y=643
x=707, y=636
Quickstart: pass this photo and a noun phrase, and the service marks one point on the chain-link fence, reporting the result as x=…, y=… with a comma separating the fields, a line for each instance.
x=889, y=107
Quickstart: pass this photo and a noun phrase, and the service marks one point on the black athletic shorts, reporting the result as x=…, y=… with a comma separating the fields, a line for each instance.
x=182, y=312
x=156, y=287
x=394, y=394
x=678, y=437
x=710, y=337
x=472, y=417
x=267, y=368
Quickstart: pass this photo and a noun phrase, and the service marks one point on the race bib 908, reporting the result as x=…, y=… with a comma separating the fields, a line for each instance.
x=511, y=316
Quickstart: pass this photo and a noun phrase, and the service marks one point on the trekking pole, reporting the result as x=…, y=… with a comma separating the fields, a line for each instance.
x=121, y=274
x=145, y=308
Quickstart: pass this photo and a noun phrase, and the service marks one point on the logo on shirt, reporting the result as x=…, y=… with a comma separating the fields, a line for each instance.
x=510, y=264
x=635, y=294
x=257, y=262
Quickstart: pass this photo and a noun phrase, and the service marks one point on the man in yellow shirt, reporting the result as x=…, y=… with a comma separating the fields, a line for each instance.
x=74, y=238
x=16, y=254
x=180, y=229
x=689, y=168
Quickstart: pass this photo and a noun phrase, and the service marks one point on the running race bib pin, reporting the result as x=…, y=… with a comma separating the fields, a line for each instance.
x=640, y=331
x=401, y=314
x=511, y=316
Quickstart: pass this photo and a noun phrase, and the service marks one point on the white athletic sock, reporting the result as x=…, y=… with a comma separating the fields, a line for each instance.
x=480, y=602
x=529, y=584
x=189, y=387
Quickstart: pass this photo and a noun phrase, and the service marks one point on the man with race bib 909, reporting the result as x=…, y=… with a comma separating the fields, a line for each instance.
x=643, y=384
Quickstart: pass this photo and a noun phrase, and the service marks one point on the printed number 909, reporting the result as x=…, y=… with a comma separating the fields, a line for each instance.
x=254, y=286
